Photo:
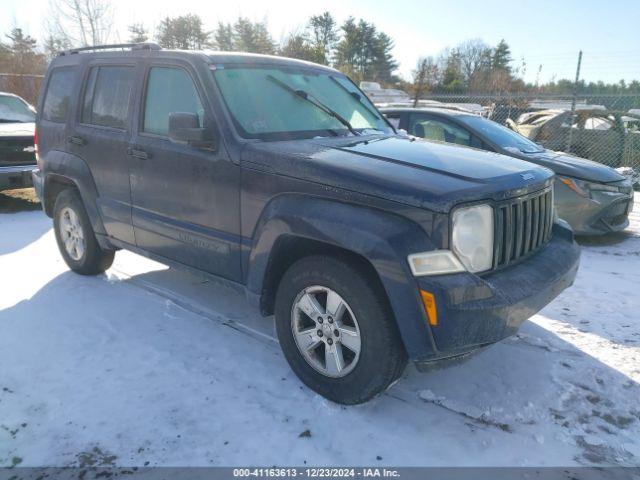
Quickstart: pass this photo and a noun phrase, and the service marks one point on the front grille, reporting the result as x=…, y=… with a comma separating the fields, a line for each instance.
x=522, y=226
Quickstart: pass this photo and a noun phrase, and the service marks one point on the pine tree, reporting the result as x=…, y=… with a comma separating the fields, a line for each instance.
x=324, y=36
x=452, y=78
x=184, y=32
x=138, y=34
x=501, y=57
x=223, y=37
x=252, y=37
x=365, y=53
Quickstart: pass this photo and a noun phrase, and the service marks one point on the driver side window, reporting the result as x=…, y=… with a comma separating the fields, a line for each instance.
x=169, y=90
x=432, y=128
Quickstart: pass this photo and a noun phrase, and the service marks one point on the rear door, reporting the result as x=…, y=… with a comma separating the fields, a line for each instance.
x=185, y=199
x=101, y=135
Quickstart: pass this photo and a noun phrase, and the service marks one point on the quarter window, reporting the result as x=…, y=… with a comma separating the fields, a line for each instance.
x=169, y=90
x=394, y=119
x=58, y=96
x=107, y=96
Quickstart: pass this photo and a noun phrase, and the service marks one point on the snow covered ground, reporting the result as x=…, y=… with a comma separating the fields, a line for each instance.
x=150, y=366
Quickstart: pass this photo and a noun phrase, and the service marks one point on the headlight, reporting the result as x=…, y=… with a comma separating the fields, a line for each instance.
x=583, y=188
x=471, y=243
x=472, y=237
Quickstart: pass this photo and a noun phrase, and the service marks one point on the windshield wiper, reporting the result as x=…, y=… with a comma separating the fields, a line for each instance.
x=313, y=101
x=356, y=96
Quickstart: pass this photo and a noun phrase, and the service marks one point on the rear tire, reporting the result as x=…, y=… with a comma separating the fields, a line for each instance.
x=75, y=237
x=371, y=361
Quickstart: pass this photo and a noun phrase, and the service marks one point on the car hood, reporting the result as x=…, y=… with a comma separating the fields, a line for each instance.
x=568, y=165
x=425, y=174
x=17, y=129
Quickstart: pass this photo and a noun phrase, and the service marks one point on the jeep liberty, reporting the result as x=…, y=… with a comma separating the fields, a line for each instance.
x=369, y=247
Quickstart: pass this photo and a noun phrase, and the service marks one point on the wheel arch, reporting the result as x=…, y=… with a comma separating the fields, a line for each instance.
x=295, y=226
x=63, y=170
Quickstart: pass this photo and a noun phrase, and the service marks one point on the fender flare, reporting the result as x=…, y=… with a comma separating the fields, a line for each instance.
x=74, y=170
x=384, y=239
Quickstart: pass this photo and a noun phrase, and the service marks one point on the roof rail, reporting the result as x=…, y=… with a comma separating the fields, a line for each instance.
x=122, y=46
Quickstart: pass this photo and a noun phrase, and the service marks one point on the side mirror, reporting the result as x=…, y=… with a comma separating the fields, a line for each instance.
x=185, y=128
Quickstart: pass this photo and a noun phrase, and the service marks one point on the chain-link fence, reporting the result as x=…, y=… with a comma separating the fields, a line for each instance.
x=603, y=128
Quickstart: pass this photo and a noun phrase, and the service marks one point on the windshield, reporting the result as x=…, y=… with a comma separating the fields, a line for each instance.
x=501, y=136
x=276, y=103
x=12, y=109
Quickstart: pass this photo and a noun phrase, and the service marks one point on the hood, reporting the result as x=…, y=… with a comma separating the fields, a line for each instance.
x=17, y=129
x=568, y=165
x=430, y=175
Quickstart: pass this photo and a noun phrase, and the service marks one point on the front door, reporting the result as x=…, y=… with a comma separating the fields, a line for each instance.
x=185, y=199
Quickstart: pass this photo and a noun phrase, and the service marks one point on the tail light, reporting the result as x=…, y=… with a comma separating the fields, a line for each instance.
x=35, y=146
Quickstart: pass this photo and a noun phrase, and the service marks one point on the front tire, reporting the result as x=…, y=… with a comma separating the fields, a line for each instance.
x=337, y=330
x=75, y=237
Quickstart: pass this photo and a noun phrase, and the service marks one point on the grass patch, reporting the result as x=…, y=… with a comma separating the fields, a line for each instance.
x=24, y=199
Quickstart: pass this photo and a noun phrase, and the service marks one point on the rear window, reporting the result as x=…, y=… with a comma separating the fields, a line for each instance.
x=58, y=96
x=107, y=96
x=14, y=109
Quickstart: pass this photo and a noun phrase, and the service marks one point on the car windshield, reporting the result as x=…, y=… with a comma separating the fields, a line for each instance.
x=12, y=109
x=278, y=103
x=501, y=136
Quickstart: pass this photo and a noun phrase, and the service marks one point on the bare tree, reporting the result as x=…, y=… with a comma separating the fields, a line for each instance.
x=424, y=76
x=475, y=59
x=298, y=45
x=80, y=22
x=22, y=63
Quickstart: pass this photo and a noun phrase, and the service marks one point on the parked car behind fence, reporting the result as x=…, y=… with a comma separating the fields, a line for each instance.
x=605, y=128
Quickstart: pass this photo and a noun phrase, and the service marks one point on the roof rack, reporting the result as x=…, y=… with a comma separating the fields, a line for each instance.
x=122, y=46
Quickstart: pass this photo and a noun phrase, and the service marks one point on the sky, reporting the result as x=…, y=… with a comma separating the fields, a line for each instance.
x=541, y=32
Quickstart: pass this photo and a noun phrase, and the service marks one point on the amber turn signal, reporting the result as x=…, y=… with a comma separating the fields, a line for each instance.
x=429, y=302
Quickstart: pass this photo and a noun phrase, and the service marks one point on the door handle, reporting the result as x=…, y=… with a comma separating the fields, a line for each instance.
x=137, y=153
x=76, y=140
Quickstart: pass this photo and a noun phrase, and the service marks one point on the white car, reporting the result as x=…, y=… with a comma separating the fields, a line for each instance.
x=17, y=146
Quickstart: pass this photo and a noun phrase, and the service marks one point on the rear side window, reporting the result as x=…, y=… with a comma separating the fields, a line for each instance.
x=169, y=90
x=107, y=96
x=58, y=96
x=435, y=129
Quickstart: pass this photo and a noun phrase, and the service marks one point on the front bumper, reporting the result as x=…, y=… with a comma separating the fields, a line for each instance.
x=16, y=177
x=601, y=213
x=475, y=311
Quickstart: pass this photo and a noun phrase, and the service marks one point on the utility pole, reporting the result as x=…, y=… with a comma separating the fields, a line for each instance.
x=573, y=103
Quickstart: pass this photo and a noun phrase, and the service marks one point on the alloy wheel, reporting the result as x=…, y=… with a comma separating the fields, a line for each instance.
x=326, y=331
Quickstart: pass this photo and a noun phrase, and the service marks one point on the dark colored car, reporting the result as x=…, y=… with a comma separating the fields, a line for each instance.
x=593, y=198
x=17, y=148
x=279, y=175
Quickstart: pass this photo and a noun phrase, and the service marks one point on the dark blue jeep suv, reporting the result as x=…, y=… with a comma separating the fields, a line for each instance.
x=280, y=175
